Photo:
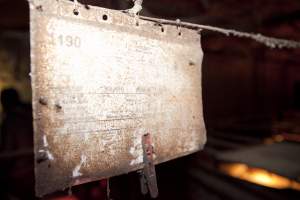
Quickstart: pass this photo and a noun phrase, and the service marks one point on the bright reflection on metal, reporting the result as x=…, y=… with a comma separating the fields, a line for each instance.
x=258, y=176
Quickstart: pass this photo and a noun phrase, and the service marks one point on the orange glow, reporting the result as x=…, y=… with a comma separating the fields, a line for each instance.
x=278, y=138
x=259, y=176
x=274, y=139
x=283, y=137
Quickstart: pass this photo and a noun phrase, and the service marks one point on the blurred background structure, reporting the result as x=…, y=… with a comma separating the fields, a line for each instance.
x=251, y=98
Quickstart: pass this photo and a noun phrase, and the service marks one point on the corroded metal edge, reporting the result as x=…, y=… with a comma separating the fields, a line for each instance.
x=64, y=9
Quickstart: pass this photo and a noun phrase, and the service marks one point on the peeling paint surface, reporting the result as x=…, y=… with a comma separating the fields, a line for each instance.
x=45, y=142
x=100, y=83
x=49, y=155
x=136, y=150
x=76, y=172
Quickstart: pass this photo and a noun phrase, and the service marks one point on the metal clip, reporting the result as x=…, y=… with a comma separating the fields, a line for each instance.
x=148, y=174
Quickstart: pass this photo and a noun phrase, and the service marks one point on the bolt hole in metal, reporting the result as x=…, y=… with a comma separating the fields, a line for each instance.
x=75, y=12
x=105, y=17
x=39, y=8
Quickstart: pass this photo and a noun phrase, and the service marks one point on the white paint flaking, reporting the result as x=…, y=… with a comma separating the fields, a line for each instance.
x=137, y=150
x=48, y=153
x=45, y=142
x=76, y=171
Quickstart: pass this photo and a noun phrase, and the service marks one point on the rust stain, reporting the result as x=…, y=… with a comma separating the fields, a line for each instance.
x=106, y=82
x=43, y=101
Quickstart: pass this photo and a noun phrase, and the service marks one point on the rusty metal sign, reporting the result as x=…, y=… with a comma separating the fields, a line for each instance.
x=102, y=79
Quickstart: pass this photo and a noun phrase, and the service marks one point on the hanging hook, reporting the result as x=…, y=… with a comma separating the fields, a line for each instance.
x=137, y=19
x=161, y=26
x=137, y=7
x=135, y=11
x=178, y=26
x=148, y=175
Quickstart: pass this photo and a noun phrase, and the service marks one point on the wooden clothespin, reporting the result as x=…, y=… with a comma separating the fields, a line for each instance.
x=148, y=174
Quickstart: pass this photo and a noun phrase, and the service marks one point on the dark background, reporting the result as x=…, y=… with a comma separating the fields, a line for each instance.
x=251, y=94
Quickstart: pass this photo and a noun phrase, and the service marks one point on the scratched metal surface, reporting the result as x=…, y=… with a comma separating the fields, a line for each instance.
x=99, y=83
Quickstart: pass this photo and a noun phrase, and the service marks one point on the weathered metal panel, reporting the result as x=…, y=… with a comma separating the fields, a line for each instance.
x=100, y=82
